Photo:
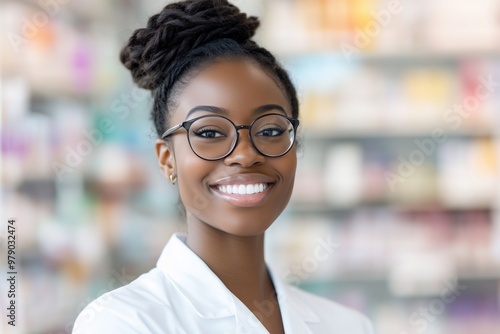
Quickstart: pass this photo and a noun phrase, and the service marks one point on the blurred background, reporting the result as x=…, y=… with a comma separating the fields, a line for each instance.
x=396, y=205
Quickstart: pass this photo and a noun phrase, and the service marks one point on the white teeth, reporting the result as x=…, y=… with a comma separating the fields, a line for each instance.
x=243, y=189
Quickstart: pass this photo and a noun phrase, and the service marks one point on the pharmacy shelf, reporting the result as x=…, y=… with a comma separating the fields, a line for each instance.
x=379, y=288
x=394, y=58
x=322, y=209
x=333, y=134
x=383, y=277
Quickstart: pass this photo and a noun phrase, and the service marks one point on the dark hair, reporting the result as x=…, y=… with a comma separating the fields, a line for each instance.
x=186, y=36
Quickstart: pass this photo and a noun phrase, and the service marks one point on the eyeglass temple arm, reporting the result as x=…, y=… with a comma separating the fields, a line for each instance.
x=170, y=131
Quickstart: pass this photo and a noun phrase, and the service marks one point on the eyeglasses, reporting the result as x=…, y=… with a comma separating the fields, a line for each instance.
x=214, y=137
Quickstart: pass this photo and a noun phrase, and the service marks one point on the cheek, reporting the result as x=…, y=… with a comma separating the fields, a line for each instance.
x=191, y=172
x=287, y=168
x=290, y=163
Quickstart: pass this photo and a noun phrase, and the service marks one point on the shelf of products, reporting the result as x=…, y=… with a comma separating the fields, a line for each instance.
x=398, y=171
x=405, y=171
x=78, y=169
x=399, y=168
x=382, y=26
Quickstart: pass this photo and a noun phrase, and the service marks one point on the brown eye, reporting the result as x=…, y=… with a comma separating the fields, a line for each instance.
x=208, y=133
x=271, y=132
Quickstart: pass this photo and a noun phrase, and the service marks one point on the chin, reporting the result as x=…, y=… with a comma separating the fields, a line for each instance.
x=244, y=227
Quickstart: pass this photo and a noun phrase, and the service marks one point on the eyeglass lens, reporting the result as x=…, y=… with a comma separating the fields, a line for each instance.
x=213, y=137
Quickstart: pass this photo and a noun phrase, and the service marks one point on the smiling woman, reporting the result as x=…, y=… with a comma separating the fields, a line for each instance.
x=244, y=91
x=226, y=115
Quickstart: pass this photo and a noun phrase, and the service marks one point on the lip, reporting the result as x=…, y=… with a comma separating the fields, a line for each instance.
x=244, y=179
x=247, y=178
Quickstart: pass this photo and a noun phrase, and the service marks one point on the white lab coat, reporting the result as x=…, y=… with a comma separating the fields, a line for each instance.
x=183, y=296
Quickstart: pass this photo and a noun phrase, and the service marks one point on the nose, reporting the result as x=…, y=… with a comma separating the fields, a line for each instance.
x=244, y=154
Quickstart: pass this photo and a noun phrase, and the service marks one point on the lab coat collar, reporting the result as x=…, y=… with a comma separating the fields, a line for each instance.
x=288, y=299
x=184, y=268
x=193, y=278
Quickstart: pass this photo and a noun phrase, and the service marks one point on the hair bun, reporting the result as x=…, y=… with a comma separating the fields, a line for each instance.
x=177, y=29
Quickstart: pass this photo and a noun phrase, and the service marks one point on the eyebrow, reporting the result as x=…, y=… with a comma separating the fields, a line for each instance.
x=222, y=111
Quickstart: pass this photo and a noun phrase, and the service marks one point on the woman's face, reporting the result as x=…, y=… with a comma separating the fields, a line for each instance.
x=241, y=88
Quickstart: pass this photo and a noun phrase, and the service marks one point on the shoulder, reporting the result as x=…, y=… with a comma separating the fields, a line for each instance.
x=138, y=307
x=332, y=315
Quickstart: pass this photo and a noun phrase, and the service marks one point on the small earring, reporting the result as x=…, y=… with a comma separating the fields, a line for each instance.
x=173, y=179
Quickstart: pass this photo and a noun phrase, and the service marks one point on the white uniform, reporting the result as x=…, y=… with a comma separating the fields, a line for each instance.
x=183, y=296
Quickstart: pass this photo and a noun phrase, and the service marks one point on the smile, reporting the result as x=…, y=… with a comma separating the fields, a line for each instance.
x=243, y=189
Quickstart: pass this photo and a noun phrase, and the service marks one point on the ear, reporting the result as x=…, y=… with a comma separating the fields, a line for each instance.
x=166, y=158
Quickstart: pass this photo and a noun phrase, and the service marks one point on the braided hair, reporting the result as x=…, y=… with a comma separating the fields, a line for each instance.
x=187, y=36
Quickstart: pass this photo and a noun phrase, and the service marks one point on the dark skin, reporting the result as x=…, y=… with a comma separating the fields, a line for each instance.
x=227, y=232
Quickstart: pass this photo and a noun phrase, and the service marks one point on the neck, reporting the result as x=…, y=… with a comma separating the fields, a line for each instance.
x=238, y=261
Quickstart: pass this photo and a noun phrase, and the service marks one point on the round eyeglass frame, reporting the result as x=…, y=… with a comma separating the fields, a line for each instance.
x=187, y=125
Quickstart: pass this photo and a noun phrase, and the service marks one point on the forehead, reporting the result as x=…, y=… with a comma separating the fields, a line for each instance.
x=236, y=85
